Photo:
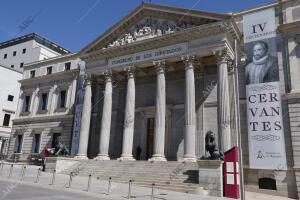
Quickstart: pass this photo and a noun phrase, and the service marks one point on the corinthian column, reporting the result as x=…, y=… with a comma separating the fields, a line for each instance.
x=129, y=117
x=106, y=119
x=190, y=111
x=85, y=121
x=160, y=114
x=224, y=132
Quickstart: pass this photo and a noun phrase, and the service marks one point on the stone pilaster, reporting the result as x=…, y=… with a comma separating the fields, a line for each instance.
x=190, y=111
x=129, y=117
x=20, y=108
x=224, y=132
x=36, y=101
x=54, y=98
x=106, y=119
x=85, y=121
x=160, y=114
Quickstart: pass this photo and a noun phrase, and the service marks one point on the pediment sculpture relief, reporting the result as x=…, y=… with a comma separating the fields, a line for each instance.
x=149, y=28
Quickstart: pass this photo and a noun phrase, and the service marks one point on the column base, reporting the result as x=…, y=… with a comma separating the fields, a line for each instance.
x=157, y=158
x=102, y=157
x=189, y=158
x=126, y=158
x=81, y=157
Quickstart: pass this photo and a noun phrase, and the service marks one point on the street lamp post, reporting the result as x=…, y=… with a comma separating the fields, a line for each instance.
x=237, y=119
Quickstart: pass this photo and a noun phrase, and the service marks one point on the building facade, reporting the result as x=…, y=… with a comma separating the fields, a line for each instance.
x=14, y=54
x=160, y=79
x=45, y=108
x=9, y=93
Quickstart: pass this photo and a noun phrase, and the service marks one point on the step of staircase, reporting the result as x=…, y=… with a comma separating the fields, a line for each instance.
x=171, y=175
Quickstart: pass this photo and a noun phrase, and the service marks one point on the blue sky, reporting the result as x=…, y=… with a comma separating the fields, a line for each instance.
x=75, y=23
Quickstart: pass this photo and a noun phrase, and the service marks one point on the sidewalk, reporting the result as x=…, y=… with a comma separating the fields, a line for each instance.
x=99, y=188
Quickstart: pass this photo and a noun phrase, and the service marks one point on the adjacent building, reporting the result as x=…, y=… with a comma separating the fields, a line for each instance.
x=45, y=108
x=9, y=95
x=14, y=54
x=28, y=48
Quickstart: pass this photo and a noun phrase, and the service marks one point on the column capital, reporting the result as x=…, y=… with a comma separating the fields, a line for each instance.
x=108, y=75
x=87, y=79
x=37, y=90
x=187, y=59
x=130, y=71
x=223, y=56
x=160, y=66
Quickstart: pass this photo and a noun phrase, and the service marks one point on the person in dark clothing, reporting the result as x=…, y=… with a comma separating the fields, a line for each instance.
x=138, y=152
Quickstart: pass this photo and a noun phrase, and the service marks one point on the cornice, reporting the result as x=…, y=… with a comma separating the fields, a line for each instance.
x=39, y=118
x=50, y=77
x=261, y=7
x=289, y=28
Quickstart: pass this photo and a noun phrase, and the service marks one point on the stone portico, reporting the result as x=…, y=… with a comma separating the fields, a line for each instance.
x=148, y=87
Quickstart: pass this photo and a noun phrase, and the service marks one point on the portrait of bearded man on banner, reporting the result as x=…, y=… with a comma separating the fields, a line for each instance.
x=264, y=66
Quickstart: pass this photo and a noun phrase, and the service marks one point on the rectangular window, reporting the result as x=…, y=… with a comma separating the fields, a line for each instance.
x=44, y=101
x=55, y=140
x=36, y=143
x=24, y=51
x=63, y=95
x=67, y=66
x=10, y=98
x=27, y=103
x=5, y=56
x=32, y=74
x=21, y=65
x=49, y=70
x=2, y=145
x=18, y=146
x=14, y=53
x=6, y=120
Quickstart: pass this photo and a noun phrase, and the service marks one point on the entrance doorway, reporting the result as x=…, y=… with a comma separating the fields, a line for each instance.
x=150, y=137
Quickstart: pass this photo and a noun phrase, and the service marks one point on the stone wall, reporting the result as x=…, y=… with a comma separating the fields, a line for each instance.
x=46, y=128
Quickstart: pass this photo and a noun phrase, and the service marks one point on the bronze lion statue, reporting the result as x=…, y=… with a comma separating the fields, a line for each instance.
x=211, y=148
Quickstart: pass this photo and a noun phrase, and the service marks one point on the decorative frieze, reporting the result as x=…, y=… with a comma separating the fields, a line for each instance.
x=150, y=28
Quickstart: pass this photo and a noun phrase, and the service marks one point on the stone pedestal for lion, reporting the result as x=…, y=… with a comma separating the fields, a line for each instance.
x=59, y=163
x=211, y=176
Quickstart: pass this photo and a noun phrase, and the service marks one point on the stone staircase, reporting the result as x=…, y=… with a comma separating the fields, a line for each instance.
x=171, y=175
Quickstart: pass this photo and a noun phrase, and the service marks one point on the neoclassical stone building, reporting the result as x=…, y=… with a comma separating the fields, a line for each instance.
x=45, y=108
x=156, y=76
x=162, y=77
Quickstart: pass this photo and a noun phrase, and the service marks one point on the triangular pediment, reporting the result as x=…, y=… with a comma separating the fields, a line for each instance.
x=149, y=21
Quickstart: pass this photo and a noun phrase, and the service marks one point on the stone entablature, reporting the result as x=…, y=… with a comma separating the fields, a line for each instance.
x=221, y=31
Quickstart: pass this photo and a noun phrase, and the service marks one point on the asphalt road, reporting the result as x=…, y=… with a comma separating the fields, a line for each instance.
x=10, y=190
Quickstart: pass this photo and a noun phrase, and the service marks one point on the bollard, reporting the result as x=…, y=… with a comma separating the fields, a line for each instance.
x=129, y=189
x=152, y=191
x=23, y=172
x=10, y=170
x=70, y=180
x=37, y=176
x=89, y=183
x=109, y=185
x=2, y=165
x=53, y=177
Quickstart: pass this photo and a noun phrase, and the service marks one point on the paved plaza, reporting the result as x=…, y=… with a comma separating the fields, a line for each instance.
x=41, y=188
